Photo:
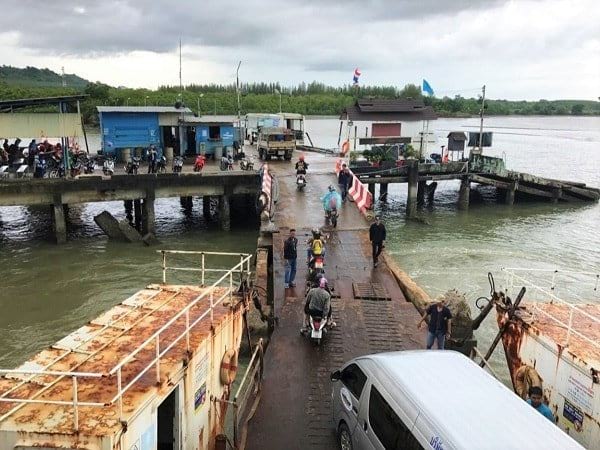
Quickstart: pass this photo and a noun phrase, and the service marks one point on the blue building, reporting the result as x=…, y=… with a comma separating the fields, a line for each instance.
x=133, y=127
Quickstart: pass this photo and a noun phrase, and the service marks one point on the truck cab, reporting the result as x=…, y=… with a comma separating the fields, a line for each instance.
x=275, y=142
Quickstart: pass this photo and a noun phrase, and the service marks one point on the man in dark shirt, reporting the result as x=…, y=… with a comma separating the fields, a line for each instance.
x=290, y=255
x=377, y=236
x=344, y=181
x=440, y=324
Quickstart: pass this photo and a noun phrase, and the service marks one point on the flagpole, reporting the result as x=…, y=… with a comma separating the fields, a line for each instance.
x=481, y=123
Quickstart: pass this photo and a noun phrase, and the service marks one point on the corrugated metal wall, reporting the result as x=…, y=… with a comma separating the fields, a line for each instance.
x=129, y=130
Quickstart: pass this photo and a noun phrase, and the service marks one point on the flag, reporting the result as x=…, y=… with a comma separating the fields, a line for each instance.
x=355, y=77
x=426, y=87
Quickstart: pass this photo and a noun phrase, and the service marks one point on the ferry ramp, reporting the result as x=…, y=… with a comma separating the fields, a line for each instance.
x=295, y=407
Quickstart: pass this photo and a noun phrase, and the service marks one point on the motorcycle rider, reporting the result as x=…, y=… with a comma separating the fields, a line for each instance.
x=318, y=302
x=331, y=200
x=301, y=166
x=316, y=246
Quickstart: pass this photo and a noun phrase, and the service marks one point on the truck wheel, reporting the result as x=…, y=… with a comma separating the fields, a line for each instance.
x=268, y=157
x=344, y=437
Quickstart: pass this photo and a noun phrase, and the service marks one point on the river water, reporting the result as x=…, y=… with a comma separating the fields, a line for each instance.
x=48, y=290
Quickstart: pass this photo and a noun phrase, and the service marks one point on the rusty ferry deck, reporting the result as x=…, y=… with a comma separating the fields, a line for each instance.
x=99, y=386
x=295, y=406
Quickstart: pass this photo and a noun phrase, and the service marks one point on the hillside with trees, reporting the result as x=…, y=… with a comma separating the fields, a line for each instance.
x=306, y=98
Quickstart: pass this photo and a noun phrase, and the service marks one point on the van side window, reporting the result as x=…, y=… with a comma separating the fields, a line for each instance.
x=387, y=426
x=354, y=379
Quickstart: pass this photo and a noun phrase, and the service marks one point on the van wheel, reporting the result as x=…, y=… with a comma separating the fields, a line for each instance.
x=344, y=438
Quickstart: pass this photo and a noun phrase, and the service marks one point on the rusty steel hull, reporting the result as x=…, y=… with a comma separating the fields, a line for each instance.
x=193, y=374
x=569, y=374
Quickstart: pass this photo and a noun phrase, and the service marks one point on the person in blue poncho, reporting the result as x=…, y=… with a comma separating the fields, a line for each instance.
x=331, y=200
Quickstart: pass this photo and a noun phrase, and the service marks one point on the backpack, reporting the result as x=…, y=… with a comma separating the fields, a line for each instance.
x=317, y=247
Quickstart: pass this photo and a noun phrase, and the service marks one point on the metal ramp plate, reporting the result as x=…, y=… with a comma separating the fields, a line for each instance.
x=370, y=291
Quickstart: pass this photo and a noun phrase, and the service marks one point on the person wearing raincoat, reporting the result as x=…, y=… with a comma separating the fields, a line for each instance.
x=331, y=200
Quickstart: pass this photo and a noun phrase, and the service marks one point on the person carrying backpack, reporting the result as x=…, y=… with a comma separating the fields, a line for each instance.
x=316, y=245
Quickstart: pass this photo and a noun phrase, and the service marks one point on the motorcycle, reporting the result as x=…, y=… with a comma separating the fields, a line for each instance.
x=161, y=165
x=300, y=181
x=40, y=165
x=247, y=164
x=76, y=168
x=108, y=167
x=177, y=164
x=316, y=267
x=332, y=216
x=199, y=163
x=89, y=166
x=56, y=167
x=132, y=166
x=317, y=328
x=226, y=163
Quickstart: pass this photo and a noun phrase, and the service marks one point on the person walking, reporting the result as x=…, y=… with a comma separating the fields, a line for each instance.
x=377, y=236
x=152, y=158
x=440, y=324
x=535, y=400
x=290, y=255
x=344, y=180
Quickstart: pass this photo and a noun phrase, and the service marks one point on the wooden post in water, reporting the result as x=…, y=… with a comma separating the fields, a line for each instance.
x=206, y=207
x=509, y=198
x=413, y=182
x=372, y=190
x=464, y=193
x=224, y=212
x=383, y=192
x=148, y=215
x=137, y=213
x=421, y=192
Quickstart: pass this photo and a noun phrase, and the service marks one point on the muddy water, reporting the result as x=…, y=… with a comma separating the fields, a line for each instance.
x=48, y=291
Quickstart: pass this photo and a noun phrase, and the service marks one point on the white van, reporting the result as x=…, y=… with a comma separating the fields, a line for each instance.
x=433, y=399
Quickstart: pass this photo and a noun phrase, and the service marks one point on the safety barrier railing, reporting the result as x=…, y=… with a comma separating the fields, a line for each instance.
x=242, y=268
x=548, y=295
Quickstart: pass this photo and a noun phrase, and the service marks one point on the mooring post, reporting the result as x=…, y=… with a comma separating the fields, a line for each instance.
x=148, y=216
x=128, y=210
x=556, y=194
x=59, y=223
x=224, y=212
x=413, y=182
x=509, y=198
x=421, y=192
x=383, y=192
x=206, y=207
x=464, y=193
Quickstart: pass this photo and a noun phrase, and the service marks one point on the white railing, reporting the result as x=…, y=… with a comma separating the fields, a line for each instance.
x=548, y=295
x=242, y=268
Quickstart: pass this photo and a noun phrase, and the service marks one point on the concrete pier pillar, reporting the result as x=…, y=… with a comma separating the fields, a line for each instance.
x=148, y=216
x=186, y=202
x=556, y=195
x=128, y=210
x=431, y=191
x=509, y=197
x=383, y=192
x=413, y=181
x=137, y=210
x=421, y=192
x=372, y=190
x=224, y=212
x=59, y=223
x=206, y=207
x=464, y=193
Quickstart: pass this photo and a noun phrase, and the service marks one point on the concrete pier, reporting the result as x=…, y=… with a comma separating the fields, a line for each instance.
x=372, y=190
x=137, y=214
x=413, y=180
x=224, y=213
x=206, y=208
x=148, y=215
x=464, y=193
x=59, y=223
x=509, y=196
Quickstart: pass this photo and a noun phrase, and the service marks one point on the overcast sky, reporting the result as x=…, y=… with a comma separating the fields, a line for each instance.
x=519, y=49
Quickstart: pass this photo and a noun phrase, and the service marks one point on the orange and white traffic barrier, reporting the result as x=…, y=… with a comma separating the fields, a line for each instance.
x=358, y=191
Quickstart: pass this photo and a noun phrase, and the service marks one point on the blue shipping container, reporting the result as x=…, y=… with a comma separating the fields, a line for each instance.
x=129, y=130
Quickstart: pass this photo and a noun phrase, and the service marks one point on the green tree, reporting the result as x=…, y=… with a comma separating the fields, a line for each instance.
x=410, y=91
x=577, y=109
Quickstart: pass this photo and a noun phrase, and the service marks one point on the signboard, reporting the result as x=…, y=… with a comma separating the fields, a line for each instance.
x=200, y=376
x=573, y=414
x=579, y=392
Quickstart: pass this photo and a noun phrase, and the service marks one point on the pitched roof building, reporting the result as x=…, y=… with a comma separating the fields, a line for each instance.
x=392, y=110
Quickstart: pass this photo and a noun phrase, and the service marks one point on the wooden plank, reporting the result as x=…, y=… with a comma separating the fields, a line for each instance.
x=534, y=191
x=490, y=181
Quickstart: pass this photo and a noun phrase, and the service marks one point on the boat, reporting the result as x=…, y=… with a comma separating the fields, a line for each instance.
x=555, y=343
x=156, y=371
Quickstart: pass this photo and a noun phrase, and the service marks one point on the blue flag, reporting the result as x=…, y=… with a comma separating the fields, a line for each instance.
x=426, y=87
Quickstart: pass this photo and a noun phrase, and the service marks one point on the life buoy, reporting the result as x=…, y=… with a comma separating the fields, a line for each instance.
x=526, y=377
x=229, y=365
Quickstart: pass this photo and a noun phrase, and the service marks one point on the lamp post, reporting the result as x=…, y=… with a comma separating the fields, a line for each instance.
x=127, y=101
x=278, y=93
x=146, y=100
x=237, y=88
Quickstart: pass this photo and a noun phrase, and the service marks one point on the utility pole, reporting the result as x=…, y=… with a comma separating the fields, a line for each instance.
x=62, y=75
x=181, y=151
x=481, y=123
x=237, y=88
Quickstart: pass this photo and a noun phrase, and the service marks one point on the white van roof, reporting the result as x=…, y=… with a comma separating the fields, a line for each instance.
x=464, y=404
